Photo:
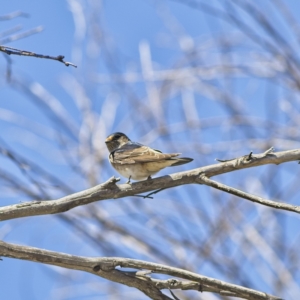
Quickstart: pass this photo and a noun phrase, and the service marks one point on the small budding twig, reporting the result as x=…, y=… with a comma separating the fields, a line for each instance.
x=14, y=51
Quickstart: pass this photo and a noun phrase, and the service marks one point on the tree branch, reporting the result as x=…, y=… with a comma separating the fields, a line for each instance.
x=256, y=199
x=105, y=267
x=14, y=51
x=110, y=190
x=16, y=37
x=13, y=15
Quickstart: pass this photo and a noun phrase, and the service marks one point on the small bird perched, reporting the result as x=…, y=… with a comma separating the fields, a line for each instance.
x=136, y=161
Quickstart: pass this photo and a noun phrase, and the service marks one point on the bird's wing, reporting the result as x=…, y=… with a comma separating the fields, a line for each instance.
x=136, y=153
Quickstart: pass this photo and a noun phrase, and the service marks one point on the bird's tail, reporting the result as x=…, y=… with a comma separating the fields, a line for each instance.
x=181, y=161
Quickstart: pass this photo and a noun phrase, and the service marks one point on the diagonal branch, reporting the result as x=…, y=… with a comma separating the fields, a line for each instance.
x=14, y=51
x=106, y=267
x=13, y=15
x=110, y=190
x=256, y=199
x=18, y=36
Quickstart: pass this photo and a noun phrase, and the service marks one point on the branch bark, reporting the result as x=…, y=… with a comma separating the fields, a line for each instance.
x=111, y=190
x=225, y=188
x=14, y=51
x=106, y=267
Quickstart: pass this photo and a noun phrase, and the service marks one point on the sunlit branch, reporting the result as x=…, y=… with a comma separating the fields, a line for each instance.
x=14, y=51
x=111, y=269
x=253, y=198
x=110, y=190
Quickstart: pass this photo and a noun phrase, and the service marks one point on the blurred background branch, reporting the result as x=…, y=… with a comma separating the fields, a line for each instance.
x=217, y=79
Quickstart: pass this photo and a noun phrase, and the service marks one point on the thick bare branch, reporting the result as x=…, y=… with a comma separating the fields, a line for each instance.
x=110, y=190
x=106, y=267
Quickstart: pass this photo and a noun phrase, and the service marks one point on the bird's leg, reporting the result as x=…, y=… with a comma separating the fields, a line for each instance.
x=149, y=177
x=128, y=182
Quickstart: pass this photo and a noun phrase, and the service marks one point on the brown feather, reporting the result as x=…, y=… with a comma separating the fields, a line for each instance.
x=142, y=154
x=136, y=161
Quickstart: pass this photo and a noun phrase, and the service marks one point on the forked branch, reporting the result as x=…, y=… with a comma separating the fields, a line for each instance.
x=111, y=190
x=111, y=269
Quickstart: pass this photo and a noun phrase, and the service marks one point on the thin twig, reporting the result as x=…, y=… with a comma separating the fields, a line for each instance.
x=13, y=15
x=176, y=298
x=154, y=192
x=14, y=51
x=10, y=31
x=278, y=205
x=21, y=35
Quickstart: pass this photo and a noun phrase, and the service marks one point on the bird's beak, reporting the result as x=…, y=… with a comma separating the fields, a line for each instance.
x=109, y=139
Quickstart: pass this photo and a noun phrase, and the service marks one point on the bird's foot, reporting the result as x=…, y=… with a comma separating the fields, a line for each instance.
x=128, y=182
x=149, y=177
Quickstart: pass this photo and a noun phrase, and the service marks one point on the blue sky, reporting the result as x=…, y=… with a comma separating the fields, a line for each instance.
x=107, y=42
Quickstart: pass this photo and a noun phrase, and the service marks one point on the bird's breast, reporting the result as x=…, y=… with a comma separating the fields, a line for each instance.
x=138, y=171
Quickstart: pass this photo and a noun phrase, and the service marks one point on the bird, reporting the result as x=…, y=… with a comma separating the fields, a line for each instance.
x=136, y=161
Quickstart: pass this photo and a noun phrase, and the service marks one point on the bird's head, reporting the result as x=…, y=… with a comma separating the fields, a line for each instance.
x=116, y=140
